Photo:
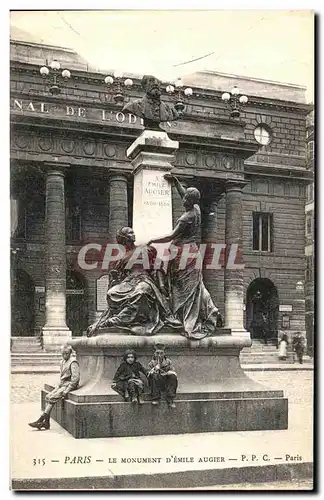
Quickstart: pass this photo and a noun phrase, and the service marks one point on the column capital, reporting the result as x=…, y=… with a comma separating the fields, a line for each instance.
x=55, y=168
x=235, y=185
x=117, y=175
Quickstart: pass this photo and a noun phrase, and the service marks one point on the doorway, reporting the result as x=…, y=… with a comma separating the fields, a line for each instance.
x=22, y=305
x=76, y=303
x=262, y=309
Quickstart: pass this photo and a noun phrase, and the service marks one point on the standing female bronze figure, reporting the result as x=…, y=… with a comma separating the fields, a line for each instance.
x=190, y=301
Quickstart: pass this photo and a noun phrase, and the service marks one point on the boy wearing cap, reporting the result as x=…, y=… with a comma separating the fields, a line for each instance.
x=162, y=378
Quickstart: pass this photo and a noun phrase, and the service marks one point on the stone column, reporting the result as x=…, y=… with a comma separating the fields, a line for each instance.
x=233, y=277
x=210, y=237
x=118, y=203
x=152, y=155
x=55, y=330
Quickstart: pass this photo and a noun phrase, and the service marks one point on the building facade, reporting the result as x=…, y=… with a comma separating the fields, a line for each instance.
x=72, y=184
x=309, y=235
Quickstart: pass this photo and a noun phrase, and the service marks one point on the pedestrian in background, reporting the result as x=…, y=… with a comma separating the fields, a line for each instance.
x=298, y=344
x=283, y=347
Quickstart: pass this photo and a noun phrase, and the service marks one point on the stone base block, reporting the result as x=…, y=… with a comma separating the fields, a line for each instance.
x=214, y=394
x=107, y=416
x=55, y=338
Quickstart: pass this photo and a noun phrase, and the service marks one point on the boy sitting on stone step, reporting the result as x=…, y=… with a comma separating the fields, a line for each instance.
x=69, y=381
x=162, y=378
x=127, y=381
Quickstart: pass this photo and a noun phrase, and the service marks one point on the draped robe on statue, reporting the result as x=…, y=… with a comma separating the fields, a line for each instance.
x=135, y=303
x=191, y=302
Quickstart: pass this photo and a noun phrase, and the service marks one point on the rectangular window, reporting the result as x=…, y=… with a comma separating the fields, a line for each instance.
x=309, y=225
x=310, y=193
x=310, y=154
x=262, y=232
x=76, y=224
x=309, y=268
x=310, y=148
x=73, y=223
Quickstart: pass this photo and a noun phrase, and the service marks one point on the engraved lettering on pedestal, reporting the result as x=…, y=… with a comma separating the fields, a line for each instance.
x=153, y=202
x=156, y=192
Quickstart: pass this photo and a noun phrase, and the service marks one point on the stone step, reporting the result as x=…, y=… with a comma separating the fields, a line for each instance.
x=34, y=359
x=29, y=362
x=26, y=344
x=28, y=349
x=265, y=360
x=27, y=340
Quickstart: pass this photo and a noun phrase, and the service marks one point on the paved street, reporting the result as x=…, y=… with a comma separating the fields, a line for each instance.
x=26, y=387
x=297, y=385
x=297, y=440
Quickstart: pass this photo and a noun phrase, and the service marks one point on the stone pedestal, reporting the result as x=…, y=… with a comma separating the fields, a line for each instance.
x=152, y=155
x=214, y=394
x=55, y=330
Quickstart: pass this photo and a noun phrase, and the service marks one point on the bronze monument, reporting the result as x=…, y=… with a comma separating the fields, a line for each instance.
x=142, y=301
x=150, y=107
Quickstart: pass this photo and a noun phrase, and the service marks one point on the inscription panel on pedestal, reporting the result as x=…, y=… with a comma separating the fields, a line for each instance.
x=152, y=214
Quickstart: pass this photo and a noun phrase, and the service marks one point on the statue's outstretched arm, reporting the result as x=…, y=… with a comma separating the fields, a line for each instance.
x=169, y=237
x=181, y=190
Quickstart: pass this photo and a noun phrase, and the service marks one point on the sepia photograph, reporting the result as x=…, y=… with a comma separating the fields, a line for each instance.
x=162, y=250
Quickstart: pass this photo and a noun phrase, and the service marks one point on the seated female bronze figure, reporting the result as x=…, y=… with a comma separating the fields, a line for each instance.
x=136, y=301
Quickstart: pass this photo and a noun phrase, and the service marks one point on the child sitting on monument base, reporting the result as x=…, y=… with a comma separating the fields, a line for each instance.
x=69, y=381
x=162, y=378
x=127, y=381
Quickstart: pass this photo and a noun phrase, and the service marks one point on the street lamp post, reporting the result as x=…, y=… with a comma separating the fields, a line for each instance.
x=234, y=101
x=181, y=95
x=53, y=76
x=116, y=86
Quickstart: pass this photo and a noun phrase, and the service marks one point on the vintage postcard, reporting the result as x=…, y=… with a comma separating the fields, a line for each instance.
x=162, y=249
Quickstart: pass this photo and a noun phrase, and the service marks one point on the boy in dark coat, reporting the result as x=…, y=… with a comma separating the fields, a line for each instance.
x=162, y=378
x=127, y=380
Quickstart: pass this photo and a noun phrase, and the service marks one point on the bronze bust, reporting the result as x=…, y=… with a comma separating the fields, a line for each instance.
x=150, y=107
